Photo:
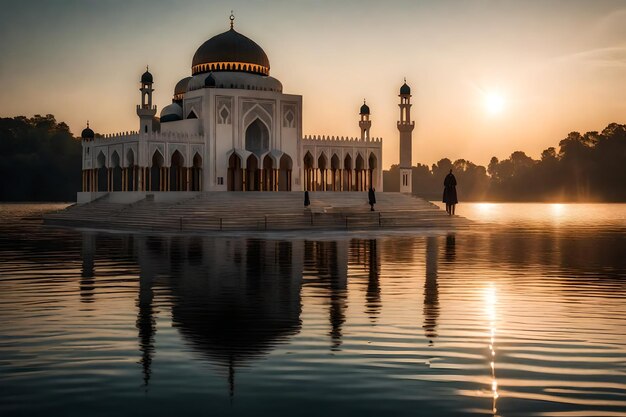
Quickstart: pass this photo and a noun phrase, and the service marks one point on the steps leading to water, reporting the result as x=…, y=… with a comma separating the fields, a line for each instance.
x=215, y=211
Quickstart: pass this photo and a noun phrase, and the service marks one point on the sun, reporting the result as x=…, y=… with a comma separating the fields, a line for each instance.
x=494, y=103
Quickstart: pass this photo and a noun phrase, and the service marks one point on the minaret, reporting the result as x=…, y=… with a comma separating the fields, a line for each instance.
x=365, y=122
x=146, y=111
x=405, y=126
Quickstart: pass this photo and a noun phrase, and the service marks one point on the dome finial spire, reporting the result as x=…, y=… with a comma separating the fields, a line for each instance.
x=232, y=19
x=87, y=123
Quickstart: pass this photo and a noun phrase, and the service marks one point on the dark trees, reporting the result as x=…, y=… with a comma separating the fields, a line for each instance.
x=589, y=167
x=40, y=160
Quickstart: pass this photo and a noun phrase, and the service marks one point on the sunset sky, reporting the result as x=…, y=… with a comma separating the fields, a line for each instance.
x=488, y=77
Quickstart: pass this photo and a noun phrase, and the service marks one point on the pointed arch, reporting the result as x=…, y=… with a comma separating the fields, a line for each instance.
x=130, y=158
x=309, y=172
x=335, y=168
x=101, y=160
x=372, y=165
x=234, y=181
x=102, y=177
x=156, y=179
x=177, y=178
x=308, y=160
x=115, y=175
x=360, y=162
x=196, y=172
x=252, y=174
x=257, y=137
x=284, y=176
x=115, y=159
x=347, y=173
x=130, y=181
x=257, y=112
x=322, y=164
x=268, y=180
x=372, y=161
x=359, y=171
x=322, y=161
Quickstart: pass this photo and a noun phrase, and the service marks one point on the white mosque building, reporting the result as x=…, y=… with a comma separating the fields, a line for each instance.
x=230, y=127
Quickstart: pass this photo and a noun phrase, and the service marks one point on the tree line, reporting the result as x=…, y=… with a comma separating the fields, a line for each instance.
x=40, y=160
x=586, y=167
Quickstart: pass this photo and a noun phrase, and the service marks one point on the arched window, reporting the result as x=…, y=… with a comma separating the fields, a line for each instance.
x=257, y=137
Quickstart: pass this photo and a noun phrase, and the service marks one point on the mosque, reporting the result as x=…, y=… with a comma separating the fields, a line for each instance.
x=230, y=127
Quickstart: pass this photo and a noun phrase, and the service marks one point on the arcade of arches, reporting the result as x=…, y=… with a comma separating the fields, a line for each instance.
x=255, y=176
x=156, y=177
x=336, y=176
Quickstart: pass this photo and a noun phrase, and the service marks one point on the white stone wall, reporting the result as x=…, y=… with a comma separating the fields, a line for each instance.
x=330, y=146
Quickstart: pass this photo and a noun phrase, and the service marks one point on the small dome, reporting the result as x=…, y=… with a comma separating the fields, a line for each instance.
x=181, y=86
x=87, y=133
x=405, y=89
x=365, y=109
x=146, y=78
x=171, y=113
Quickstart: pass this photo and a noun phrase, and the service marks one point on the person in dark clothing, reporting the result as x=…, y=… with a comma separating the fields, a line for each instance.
x=372, y=198
x=307, y=201
x=449, y=193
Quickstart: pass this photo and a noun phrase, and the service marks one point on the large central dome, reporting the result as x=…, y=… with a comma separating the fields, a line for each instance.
x=230, y=51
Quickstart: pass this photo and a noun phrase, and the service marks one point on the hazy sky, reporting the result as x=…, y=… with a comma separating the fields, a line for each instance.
x=554, y=66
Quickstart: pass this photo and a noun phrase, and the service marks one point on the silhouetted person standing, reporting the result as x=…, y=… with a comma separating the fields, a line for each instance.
x=449, y=193
x=372, y=198
x=307, y=201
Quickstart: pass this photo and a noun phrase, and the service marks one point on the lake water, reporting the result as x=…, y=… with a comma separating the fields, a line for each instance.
x=524, y=314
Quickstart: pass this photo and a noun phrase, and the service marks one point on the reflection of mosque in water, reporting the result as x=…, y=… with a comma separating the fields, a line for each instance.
x=234, y=300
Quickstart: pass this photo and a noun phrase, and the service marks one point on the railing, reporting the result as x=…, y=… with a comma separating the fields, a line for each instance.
x=309, y=219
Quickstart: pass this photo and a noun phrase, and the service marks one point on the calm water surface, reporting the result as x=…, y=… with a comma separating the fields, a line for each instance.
x=523, y=315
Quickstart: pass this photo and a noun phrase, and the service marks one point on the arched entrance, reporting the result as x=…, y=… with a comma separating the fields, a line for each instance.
x=116, y=172
x=321, y=165
x=252, y=182
x=335, y=168
x=196, y=173
x=359, y=170
x=309, y=178
x=177, y=179
x=102, y=179
x=155, y=180
x=130, y=183
x=372, y=164
x=235, y=174
x=347, y=175
x=268, y=180
x=284, y=176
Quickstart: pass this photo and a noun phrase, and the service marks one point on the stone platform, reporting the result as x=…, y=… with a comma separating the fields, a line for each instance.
x=256, y=211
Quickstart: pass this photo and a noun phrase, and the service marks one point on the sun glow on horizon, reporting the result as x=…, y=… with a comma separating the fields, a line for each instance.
x=494, y=103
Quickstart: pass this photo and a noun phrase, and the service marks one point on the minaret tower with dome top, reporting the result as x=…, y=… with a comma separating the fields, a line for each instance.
x=146, y=111
x=365, y=123
x=405, y=126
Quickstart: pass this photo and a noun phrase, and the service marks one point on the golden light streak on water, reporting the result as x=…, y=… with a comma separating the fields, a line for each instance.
x=491, y=301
